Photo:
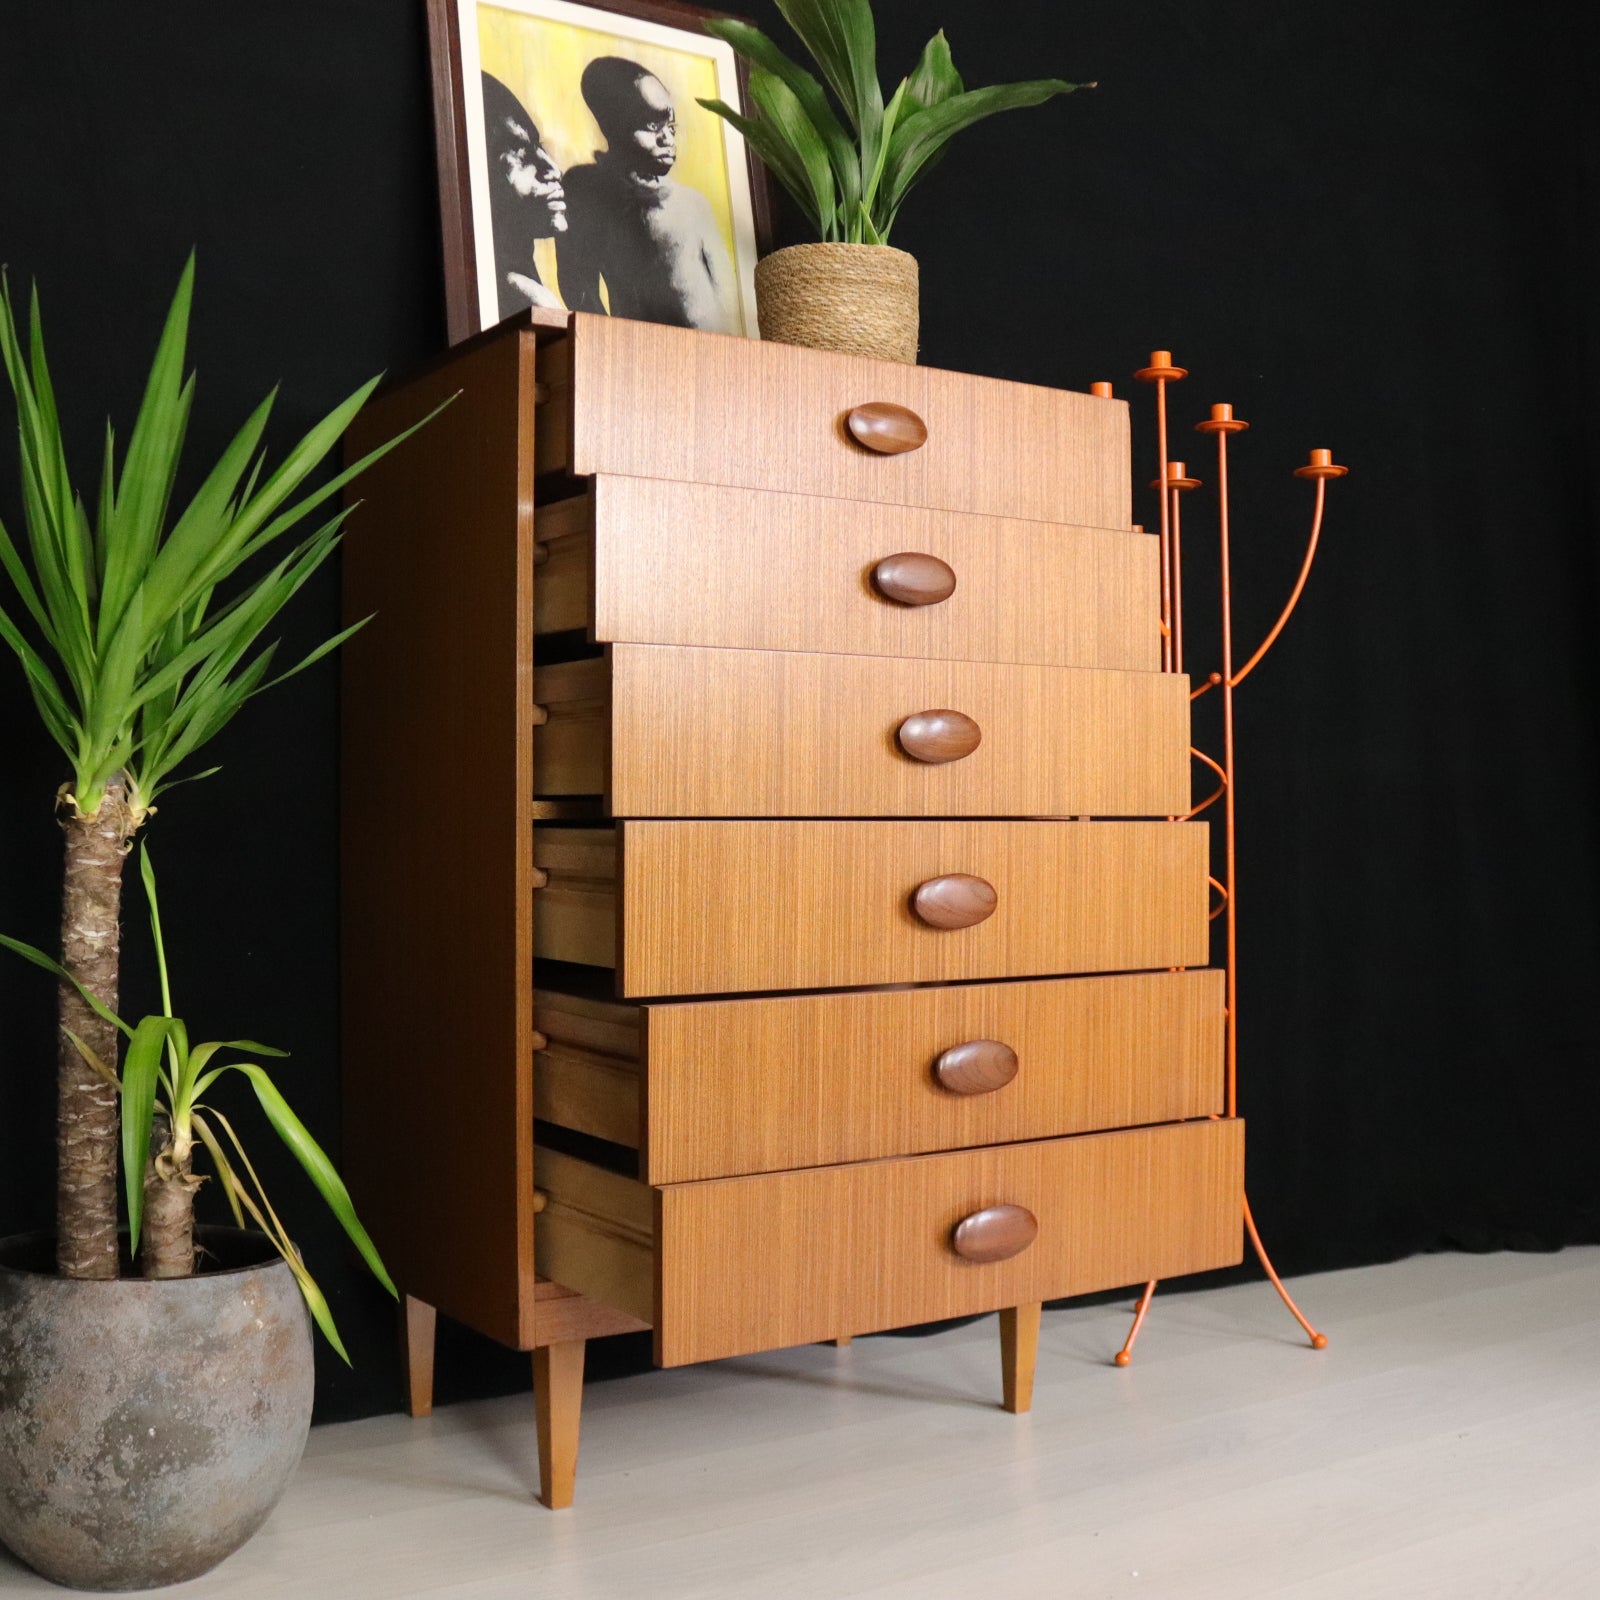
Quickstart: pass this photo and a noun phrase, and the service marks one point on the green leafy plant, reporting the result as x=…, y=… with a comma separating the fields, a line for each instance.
x=139, y=633
x=851, y=181
x=165, y=1115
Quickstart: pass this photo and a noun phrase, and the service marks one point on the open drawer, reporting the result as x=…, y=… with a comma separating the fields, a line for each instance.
x=652, y=561
x=723, y=1088
x=734, y=1265
x=642, y=400
x=806, y=735
x=684, y=908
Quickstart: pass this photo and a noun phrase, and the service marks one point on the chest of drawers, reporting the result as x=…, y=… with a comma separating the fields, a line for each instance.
x=764, y=916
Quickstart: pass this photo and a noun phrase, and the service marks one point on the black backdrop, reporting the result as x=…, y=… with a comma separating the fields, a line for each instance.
x=1369, y=226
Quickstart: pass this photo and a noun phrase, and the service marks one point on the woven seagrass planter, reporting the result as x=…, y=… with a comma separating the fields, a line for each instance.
x=147, y=1428
x=859, y=299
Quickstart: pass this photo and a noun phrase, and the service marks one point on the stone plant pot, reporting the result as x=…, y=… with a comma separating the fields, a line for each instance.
x=147, y=1428
x=861, y=299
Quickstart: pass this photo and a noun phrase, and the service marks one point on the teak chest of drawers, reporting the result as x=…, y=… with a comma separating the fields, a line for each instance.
x=766, y=918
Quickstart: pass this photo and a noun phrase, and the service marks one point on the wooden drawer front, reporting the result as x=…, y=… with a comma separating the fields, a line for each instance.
x=741, y=1264
x=719, y=907
x=657, y=402
x=688, y=563
x=714, y=1089
x=827, y=736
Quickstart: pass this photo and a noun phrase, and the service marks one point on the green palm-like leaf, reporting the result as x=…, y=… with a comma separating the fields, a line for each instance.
x=935, y=77
x=318, y=1167
x=141, y=1069
x=923, y=134
x=756, y=48
x=843, y=41
x=780, y=160
x=781, y=108
x=132, y=663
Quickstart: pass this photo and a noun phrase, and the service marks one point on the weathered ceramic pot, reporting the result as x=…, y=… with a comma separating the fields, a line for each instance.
x=147, y=1428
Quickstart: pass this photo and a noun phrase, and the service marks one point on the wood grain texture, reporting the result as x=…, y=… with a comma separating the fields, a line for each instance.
x=657, y=402
x=436, y=864
x=563, y=590
x=720, y=907
x=745, y=1086
x=692, y=563
x=1019, y=1355
x=754, y=1263
x=800, y=735
x=589, y=1074
x=558, y=1408
x=596, y=1233
x=564, y=1315
x=575, y=914
x=418, y=1323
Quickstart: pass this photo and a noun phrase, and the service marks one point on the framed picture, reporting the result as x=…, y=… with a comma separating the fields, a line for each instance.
x=576, y=169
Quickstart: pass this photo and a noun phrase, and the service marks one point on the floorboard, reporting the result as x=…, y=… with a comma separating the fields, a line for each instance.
x=1447, y=1443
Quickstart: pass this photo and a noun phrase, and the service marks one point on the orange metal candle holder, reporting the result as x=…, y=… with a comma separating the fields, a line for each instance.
x=1172, y=482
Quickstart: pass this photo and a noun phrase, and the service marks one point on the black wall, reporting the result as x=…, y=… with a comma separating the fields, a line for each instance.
x=1369, y=226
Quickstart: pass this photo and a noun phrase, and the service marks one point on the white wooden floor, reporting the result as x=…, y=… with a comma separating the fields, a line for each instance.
x=1447, y=1443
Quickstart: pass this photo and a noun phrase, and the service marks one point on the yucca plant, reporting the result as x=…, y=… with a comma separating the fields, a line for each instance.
x=162, y=1086
x=138, y=633
x=851, y=182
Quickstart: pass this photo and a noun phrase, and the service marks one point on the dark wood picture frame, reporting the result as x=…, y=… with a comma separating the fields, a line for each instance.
x=450, y=138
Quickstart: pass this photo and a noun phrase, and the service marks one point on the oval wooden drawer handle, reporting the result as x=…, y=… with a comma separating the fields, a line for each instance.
x=888, y=429
x=980, y=1066
x=912, y=579
x=935, y=737
x=994, y=1234
x=956, y=900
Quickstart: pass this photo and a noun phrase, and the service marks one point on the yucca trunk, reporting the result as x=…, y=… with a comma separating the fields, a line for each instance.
x=166, y=1245
x=86, y=1125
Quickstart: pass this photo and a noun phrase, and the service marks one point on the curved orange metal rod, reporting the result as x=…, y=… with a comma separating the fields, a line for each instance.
x=1219, y=908
x=1216, y=794
x=1125, y=1354
x=1319, y=1341
x=1320, y=468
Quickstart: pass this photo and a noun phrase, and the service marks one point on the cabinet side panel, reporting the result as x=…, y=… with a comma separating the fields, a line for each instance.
x=437, y=847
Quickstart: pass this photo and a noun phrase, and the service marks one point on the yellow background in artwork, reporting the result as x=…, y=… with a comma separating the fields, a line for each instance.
x=541, y=62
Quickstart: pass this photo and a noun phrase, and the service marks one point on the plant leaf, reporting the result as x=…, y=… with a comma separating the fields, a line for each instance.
x=843, y=41
x=920, y=137
x=776, y=156
x=219, y=1159
x=141, y=1064
x=40, y=959
x=935, y=77
x=760, y=51
x=94, y=1062
x=787, y=117
x=318, y=1167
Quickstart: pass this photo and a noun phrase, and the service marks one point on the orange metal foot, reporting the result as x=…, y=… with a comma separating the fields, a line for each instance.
x=1125, y=1354
x=1319, y=1341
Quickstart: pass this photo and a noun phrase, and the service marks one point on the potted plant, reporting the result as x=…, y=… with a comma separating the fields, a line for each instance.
x=850, y=176
x=150, y=1426
x=140, y=636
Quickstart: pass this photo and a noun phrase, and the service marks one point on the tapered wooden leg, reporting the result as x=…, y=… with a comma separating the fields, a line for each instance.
x=1019, y=1352
x=558, y=1401
x=842, y=1342
x=417, y=1323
